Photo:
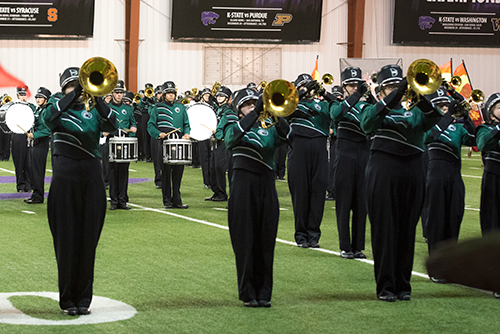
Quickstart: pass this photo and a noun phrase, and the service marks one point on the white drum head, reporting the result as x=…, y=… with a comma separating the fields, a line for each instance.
x=202, y=121
x=19, y=117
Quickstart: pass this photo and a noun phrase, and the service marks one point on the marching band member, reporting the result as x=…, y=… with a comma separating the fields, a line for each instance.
x=253, y=208
x=5, y=138
x=118, y=171
x=38, y=153
x=395, y=181
x=445, y=191
x=308, y=162
x=204, y=145
x=488, y=142
x=219, y=161
x=77, y=198
x=156, y=145
x=338, y=94
x=20, y=155
x=165, y=117
x=350, y=164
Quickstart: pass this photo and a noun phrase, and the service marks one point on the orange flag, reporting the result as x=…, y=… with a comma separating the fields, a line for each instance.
x=446, y=71
x=7, y=80
x=465, y=88
x=315, y=72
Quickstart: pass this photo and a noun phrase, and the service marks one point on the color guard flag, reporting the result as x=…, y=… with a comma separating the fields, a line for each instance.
x=7, y=80
x=446, y=71
x=465, y=88
x=315, y=72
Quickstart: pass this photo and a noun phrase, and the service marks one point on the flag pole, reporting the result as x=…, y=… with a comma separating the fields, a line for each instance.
x=467, y=72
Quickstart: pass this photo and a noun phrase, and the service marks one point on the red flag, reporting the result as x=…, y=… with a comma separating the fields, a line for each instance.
x=315, y=72
x=7, y=80
x=465, y=88
x=446, y=71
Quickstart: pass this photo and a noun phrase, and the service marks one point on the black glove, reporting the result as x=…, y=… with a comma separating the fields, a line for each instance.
x=403, y=86
x=443, y=124
x=67, y=101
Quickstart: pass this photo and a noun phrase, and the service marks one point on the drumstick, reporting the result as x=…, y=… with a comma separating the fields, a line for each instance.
x=173, y=131
x=26, y=132
x=206, y=127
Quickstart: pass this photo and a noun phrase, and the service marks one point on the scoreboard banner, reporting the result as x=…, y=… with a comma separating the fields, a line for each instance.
x=247, y=20
x=447, y=23
x=47, y=18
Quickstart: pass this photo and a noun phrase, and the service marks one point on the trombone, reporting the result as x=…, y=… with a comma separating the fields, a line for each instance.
x=280, y=98
x=424, y=78
x=327, y=79
x=137, y=98
x=98, y=77
x=149, y=92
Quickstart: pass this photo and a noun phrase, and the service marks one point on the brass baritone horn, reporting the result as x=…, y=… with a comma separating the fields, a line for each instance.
x=477, y=95
x=424, y=78
x=327, y=79
x=149, y=92
x=98, y=77
x=280, y=98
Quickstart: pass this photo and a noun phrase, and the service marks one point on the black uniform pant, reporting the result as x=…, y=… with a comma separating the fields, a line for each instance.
x=349, y=175
x=218, y=169
x=307, y=174
x=20, y=158
x=204, y=153
x=444, y=201
x=395, y=193
x=489, y=215
x=195, y=146
x=140, y=136
x=38, y=163
x=157, y=155
x=118, y=183
x=171, y=177
x=4, y=145
x=76, y=209
x=253, y=214
x=144, y=136
x=280, y=160
x=330, y=186
x=104, y=148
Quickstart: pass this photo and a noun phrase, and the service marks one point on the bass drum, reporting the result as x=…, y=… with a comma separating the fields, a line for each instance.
x=202, y=121
x=16, y=117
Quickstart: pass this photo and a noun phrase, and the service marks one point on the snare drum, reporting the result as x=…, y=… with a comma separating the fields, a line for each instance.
x=123, y=149
x=177, y=152
x=17, y=116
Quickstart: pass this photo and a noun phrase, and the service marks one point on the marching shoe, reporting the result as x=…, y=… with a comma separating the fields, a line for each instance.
x=83, y=311
x=169, y=206
x=113, y=207
x=329, y=197
x=72, y=311
x=252, y=303
x=313, y=244
x=264, y=303
x=219, y=199
x=32, y=201
x=404, y=296
x=304, y=245
x=359, y=255
x=387, y=298
x=496, y=295
x=347, y=255
x=181, y=206
x=124, y=207
x=209, y=198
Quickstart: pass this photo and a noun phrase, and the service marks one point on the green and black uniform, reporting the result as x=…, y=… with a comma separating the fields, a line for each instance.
x=349, y=173
x=488, y=142
x=38, y=156
x=118, y=176
x=253, y=205
x=77, y=198
x=395, y=185
x=166, y=117
x=308, y=168
x=445, y=191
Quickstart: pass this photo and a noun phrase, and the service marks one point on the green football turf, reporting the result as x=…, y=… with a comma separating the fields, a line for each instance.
x=179, y=272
